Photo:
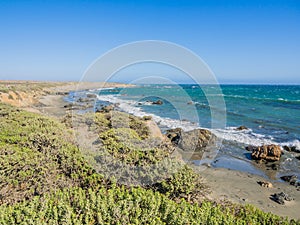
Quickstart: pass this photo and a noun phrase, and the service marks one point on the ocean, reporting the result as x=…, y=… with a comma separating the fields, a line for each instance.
x=270, y=112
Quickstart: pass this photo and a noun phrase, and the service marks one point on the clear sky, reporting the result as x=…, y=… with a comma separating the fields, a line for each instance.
x=242, y=41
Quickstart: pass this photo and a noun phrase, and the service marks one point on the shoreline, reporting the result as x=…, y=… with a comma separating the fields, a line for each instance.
x=245, y=190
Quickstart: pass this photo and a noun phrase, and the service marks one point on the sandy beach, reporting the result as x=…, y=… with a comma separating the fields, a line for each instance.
x=243, y=188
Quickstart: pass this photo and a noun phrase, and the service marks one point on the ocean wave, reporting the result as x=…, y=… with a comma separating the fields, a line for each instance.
x=245, y=137
x=296, y=101
x=129, y=106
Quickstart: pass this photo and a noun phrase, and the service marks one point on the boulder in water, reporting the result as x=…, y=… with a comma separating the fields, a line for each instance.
x=291, y=148
x=242, y=128
x=266, y=152
x=158, y=102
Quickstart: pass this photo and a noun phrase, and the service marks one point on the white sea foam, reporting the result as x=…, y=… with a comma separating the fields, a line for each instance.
x=246, y=137
x=129, y=106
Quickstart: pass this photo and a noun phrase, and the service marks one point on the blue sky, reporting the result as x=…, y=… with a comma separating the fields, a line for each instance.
x=241, y=41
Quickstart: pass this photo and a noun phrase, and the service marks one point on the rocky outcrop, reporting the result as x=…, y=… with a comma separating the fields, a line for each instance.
x=154, y=130
x=242, y=128
x=191, y=141
x=266, y=152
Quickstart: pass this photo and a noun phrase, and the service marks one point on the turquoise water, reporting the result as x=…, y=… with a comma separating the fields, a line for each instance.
x=271, y=112
x=267, y=109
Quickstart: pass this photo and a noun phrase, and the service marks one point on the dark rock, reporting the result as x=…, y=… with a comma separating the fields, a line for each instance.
x=298, y=157
x=190, y=103
x=147, y=118
x=158, y=102
x=70, y=105
x=266, y=152
x=195, y=140
x=242, y=128
x=292, y=179
x=174, y=135
x=61, y=93
x=281, y=197
x=83, y=100
x=273, y=166
x=291, y=148
x=91, y=96
x=250, y=148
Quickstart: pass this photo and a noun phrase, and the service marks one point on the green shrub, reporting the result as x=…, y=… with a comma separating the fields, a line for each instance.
x=118, y=205
x=44, y=179
x=126, y=145
x=37, y=156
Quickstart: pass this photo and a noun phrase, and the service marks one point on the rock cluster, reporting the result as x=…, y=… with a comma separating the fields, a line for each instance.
x=266, y=152
x=292, y=179
x=281, y=197
x=265, y=184
x=291, y=149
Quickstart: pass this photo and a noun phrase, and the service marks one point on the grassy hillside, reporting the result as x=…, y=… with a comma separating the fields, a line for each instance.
x=44, y=179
